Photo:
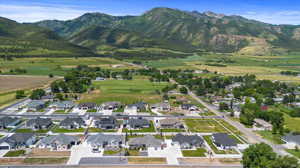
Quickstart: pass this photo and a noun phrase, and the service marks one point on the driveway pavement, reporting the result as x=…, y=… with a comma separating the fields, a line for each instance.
x=103, y=161
x=171, y=152
x=3, y=152
x=82, y=151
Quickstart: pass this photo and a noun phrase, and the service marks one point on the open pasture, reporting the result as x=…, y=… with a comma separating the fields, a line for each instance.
x=125, y=91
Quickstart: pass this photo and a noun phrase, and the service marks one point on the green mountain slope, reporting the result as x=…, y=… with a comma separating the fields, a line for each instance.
x=181, y=31
x=25, y=40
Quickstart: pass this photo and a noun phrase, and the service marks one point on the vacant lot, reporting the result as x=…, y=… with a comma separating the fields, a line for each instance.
x=10, y=83
x=146, y=160
x=204, y=125
x=125, y=91
x=47, y=153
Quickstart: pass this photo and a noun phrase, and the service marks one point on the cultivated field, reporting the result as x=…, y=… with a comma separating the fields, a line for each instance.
x=11, y=83
x=58, y=66
x=125, y=91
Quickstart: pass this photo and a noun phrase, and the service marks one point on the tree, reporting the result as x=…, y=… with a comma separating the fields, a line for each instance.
x=277, y=121
x=51, y=75
x=183, y=90
x=223, y=106
x=20, y=94
x=285, y=162
x=258, y=156
x=247, y=117
x=59, y=96
x=37, y=94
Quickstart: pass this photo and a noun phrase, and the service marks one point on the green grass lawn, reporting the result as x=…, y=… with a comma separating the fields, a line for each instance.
x=125, y=91
x=275, y=138
x=27, y=130
x=60, y=160
x=204, y=125
x=294, y=152
x=199, y=152
x=15, y=153
x=61, y=112
x=91, y=129
x=111, y=152
x=150, y=129
x=172, y=130
x=56, y=129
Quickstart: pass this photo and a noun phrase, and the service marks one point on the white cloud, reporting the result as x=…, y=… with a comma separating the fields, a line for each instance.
x=280, y=17
x=23, y=13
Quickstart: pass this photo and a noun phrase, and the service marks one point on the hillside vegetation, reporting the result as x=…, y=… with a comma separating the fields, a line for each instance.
x=172, y=29
x=25, y=40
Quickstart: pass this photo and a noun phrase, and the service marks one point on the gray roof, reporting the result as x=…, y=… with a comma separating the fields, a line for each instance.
x=292, y=138
x=106, y=120
x=188, y=139
x=18, y=139
x=140, y=122
x=35, y=103
x=5, y=121
x=100, y=139
x=39, y=122
x=138, y=105
x=223, y=139
x=88, y=105
x=148, y=141
x=72, y=121
x=63, y=104
x=60, y=139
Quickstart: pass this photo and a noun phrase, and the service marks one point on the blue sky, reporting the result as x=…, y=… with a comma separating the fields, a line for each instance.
x=270, y=11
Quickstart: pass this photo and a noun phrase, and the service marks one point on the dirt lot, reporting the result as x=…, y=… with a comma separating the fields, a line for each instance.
x=47, y=153
x=11, y=83
x=11, y=161
x=209, y=161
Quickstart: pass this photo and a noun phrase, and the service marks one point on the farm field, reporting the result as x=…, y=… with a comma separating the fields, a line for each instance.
x=13, y=82
x=264, y=67
x=58, y=66
x=125, y=91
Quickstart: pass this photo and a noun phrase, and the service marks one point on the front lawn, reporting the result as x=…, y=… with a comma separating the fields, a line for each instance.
x=91, y=129
x=15, y=153
x=294, y=152
x=27, y=130
x=275, y=138
x=204, y=125
x=64, y=130
x=92, y=111
x=172, y=130
x=31, y=161
x=111, y=152
x=199, y=152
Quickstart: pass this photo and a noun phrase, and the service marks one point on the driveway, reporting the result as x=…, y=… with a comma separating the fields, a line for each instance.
x=82, y=151
x=3, y=152
x=171, y=152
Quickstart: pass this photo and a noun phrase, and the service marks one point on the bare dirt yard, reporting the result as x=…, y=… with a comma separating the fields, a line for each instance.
x=12, y=82
x=47, y=153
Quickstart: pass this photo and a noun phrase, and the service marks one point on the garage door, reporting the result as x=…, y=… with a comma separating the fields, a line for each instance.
x=4, y=147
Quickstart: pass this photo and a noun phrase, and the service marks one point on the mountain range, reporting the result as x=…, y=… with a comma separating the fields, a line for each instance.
x=162, y=32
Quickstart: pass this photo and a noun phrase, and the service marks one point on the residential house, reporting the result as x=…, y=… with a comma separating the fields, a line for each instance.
x=234, y=85
x=291, y=140
x=188, y=141
x=48, y=97
x=62, y=105
x=111, y=105
x=105, y=141
x=100, y=79
x=170, y=123
x=161, y=106
x=262, y=125
x=137, y=123
x=87, y=106
x=36, y=105
x=9, y=122
x=278, y=100
x=223, y=141
x=189, y=107
x=39, y=123
x=59, y=142
x=145, y=142
x=106, y=123
x=17, y=141
x=72, y=123
x=136, y=107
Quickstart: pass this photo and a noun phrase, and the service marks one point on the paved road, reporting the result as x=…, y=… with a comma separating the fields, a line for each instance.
x=251, y=136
